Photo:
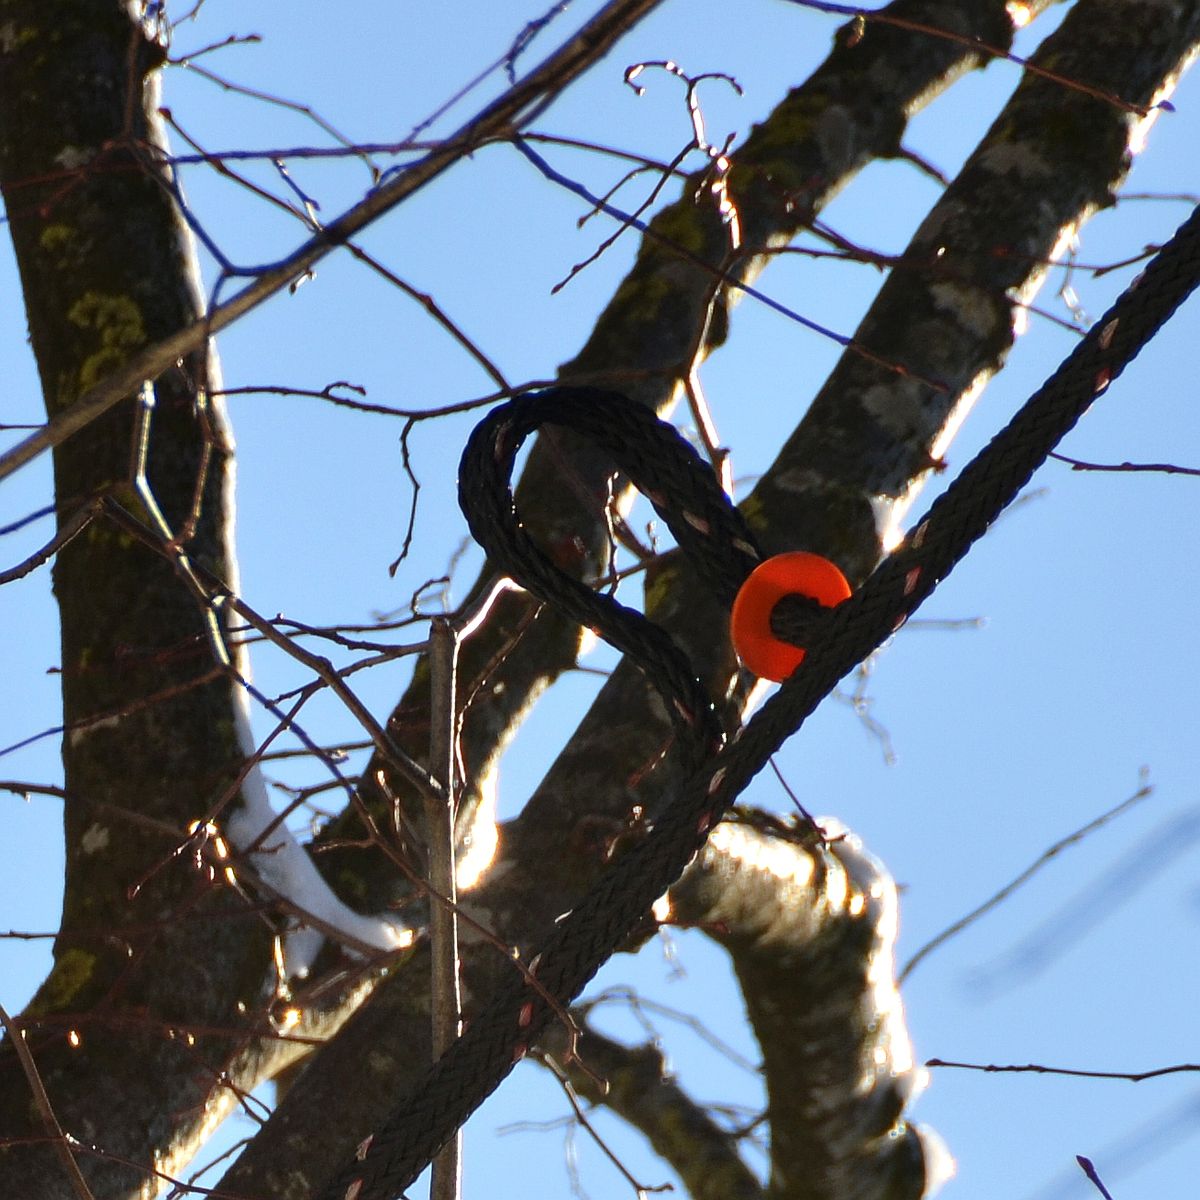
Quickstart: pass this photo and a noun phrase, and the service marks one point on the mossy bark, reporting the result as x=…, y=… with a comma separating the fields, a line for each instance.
x=158, y=972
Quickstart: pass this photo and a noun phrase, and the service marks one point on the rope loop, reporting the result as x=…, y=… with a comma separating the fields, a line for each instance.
x=680, y=485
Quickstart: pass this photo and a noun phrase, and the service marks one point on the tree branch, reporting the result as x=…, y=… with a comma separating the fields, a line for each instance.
x=508, y=112
x=646, y=343
x=877, y=436
x=639, y=1089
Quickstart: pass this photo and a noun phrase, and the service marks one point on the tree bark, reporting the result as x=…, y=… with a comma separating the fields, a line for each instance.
x=159, y=973
x=950, y=318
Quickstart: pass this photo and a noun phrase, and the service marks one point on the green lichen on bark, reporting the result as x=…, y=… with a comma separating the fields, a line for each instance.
x=149, y=741
x=117, y=326
x=62, y=987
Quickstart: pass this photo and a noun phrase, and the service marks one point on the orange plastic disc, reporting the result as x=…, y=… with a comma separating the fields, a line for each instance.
x=797, y=572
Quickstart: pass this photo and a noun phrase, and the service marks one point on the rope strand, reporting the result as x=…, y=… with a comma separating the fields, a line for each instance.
x=496, y=1039
x=673, y=477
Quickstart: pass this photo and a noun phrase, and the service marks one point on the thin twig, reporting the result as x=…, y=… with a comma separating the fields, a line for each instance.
x=70, y=530
x=60, y=1141
x=568, y=1090
x=329, y=675
x=1144, y=790
x=29, y=518
x=445, y=993
x=431, y=306
x=1040, y=1069
x=1088, y=1168
x=505, y=114
x=1156, y=468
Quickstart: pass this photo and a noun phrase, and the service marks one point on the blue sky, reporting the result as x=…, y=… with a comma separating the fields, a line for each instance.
x=1006, y=737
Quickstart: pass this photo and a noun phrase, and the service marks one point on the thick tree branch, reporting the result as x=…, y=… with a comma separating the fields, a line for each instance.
x=952, y=310
x=113, y=298
x=667, y=315
x=107, y=269
x=810, y=927
x=960, y=326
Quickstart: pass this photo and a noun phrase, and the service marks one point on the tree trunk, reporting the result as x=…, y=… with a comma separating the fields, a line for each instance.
x=158, y=973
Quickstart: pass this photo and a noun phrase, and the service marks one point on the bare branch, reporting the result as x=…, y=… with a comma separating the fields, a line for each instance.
x=1041, y=1069
x=1154, y=468
x=638, y=1087
x=62, y=1144
x=495, y=121
x=1043, y=859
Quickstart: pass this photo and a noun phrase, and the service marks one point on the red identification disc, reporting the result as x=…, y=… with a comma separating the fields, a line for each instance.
x=797, y=572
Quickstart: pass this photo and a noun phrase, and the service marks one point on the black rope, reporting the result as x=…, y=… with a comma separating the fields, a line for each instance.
x=496, y=1039
x=684, y=492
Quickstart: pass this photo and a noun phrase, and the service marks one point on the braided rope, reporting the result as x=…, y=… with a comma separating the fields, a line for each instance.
x=684, y=492
x=497, y=1038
